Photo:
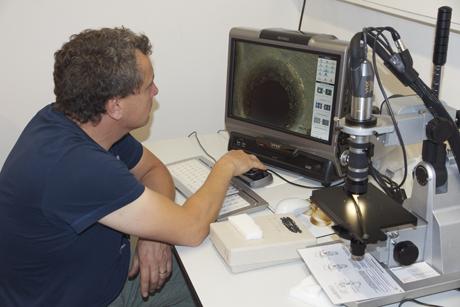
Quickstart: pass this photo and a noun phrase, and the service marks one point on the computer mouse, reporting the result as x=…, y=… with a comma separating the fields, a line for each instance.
x=295, y=206
x=256, y=178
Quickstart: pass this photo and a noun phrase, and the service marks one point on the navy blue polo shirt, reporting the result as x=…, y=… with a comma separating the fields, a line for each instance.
x=54, y=186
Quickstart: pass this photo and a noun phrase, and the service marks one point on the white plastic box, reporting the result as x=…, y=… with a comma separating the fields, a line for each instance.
x=278, y=244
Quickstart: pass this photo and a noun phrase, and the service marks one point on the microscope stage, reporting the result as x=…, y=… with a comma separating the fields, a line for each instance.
x=378, y=212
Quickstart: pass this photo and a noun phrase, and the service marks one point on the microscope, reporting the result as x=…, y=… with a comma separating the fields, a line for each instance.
x=395, y=230
x=359, y=209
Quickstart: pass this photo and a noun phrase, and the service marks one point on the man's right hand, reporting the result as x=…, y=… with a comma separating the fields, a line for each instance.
x=240, y=162
x=155, y=217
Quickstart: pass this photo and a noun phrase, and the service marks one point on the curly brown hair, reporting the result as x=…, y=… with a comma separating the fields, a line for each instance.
x=95, y=66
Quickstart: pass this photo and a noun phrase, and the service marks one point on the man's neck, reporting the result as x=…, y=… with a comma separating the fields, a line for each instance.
x=105, y=133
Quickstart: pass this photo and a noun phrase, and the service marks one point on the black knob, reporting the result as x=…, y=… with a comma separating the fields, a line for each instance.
x=405, y=252
x=442, y=35
x=421, y=174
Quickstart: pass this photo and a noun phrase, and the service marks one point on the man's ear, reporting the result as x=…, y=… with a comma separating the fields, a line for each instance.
x=113, y=108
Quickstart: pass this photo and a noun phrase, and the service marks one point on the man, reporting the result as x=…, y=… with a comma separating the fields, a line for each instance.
x=76, y=184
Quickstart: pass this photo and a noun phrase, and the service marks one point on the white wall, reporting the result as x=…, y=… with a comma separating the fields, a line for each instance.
x=190, y=54
x=344, y=20
x=190, y=51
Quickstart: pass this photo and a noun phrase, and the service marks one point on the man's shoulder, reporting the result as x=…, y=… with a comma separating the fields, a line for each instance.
x=49, y=125
x=51, y=143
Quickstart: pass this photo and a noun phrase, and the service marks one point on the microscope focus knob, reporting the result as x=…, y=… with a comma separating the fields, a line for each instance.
x=405, y=252
x=421, y=174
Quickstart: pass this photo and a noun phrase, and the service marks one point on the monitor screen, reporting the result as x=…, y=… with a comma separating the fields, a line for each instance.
x=284, y=88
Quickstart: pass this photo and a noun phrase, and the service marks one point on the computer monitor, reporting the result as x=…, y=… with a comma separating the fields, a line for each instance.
x=284, y=89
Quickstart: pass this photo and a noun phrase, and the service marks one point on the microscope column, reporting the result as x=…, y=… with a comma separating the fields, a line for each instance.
x=360, y=116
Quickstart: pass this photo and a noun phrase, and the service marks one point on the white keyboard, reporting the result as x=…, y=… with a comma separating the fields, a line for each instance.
x=190, y=174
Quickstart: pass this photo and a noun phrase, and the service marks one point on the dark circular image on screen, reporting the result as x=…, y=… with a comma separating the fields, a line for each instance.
x=271, y=95
x=274, y=87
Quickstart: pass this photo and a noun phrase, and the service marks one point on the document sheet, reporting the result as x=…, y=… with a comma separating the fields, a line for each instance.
x=346, y=280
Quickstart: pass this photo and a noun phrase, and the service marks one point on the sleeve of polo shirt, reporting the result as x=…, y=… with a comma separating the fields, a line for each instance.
x=128, y=149
x=87, y=184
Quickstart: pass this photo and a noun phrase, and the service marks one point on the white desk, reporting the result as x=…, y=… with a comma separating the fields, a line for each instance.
x=214, y=283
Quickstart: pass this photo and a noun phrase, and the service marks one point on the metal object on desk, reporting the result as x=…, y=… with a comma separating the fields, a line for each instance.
x=318, y=217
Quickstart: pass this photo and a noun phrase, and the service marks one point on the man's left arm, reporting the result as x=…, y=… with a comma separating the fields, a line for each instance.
x=153, y=260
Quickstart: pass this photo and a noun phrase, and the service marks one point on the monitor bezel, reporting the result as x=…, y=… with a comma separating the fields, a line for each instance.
x=319, y=43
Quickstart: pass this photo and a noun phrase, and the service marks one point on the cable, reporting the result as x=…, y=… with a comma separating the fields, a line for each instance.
x=195, y=134
x=383, y=40
x=387, y=103
x=301, y=185
x=383, y=101
x=301, y=16
x=388, y=186
x=416, y=302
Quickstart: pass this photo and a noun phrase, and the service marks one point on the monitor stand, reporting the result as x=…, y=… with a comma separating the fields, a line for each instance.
x=286, y=157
